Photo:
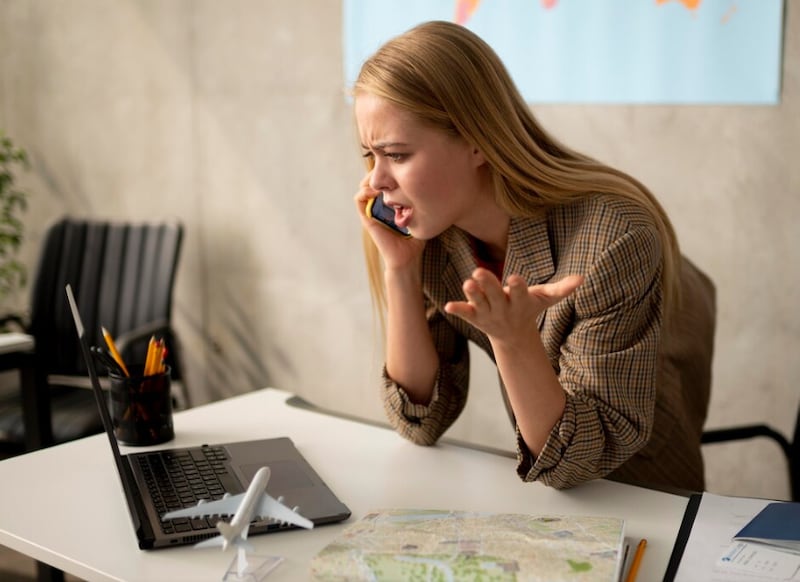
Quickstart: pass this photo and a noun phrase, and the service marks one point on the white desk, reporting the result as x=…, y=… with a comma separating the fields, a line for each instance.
x=64, y=505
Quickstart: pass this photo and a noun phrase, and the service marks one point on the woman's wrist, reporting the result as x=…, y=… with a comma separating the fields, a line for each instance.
x=405, y=277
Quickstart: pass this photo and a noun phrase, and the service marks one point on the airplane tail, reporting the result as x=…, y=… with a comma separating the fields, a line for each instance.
x=225, y=529
x=215, y=542
x=226, y=538
x=220, y=541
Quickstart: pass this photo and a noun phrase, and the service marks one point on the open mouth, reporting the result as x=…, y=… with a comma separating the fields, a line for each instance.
x=402, y=215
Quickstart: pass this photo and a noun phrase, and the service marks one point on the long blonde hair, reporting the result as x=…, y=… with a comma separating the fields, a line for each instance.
x=452, y=80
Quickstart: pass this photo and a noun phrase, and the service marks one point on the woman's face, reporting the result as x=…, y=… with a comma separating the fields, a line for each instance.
x=433, y=180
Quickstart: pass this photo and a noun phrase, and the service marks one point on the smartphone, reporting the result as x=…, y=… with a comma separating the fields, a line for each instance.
x=377, y=210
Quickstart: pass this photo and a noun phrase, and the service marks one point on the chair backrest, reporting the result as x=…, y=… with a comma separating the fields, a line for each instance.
x=123, y=276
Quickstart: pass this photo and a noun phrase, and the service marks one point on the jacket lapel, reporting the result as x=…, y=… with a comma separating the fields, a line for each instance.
x=460, y=264
x=528, y=254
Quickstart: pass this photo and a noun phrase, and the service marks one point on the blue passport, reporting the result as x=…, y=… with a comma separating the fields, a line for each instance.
x=778, y=525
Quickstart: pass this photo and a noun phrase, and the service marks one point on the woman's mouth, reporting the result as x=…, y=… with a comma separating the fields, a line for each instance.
x=402, y=215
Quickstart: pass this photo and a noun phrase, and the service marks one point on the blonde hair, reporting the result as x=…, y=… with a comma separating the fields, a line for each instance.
x=451, y=79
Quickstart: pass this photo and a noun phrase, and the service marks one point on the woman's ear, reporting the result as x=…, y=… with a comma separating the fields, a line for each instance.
x=478, y=158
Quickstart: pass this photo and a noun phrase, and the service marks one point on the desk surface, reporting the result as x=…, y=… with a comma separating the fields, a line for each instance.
x=64, y=505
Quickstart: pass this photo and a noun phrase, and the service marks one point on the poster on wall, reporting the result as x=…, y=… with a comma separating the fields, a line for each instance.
x=603, y=51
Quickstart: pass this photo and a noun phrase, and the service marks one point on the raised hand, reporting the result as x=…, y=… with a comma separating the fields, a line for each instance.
x=508, y=314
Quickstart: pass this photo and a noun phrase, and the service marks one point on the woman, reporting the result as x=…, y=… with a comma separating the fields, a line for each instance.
x=562, y=269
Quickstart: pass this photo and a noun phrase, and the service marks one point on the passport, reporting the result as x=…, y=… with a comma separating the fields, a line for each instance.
x=778, y=525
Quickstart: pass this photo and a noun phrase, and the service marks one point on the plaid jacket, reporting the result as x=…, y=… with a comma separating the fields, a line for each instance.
x=636, y=391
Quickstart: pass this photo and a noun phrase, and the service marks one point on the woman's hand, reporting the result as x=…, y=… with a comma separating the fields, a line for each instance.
x=397, y=251
x=508, y=314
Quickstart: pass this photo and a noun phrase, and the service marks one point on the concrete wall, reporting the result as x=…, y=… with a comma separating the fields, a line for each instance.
x=231, y=116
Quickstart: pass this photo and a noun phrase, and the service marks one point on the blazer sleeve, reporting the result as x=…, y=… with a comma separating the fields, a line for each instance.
x=423, y=424
x=606, y=363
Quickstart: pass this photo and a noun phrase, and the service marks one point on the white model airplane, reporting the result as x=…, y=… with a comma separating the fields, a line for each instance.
x=245, y=507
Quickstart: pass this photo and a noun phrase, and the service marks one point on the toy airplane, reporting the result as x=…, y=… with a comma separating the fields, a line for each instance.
x=245, y=507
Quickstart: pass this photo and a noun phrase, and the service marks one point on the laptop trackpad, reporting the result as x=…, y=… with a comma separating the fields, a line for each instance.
x=285, y=476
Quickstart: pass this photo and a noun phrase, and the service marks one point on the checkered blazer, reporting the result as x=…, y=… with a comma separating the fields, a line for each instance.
x=637, y=389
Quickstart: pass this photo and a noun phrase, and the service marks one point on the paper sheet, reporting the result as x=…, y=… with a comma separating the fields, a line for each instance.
x=760, y=561
x=718, y=519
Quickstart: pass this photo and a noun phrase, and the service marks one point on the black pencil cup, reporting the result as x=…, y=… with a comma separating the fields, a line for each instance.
x=141, y=407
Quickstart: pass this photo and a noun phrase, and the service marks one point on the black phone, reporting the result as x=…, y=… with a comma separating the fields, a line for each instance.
x=377, y=210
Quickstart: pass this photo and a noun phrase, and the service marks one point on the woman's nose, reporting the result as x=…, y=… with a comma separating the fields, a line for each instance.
x=381, y=179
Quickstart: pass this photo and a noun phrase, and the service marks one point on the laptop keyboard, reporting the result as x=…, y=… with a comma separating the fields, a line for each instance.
x=182, y=478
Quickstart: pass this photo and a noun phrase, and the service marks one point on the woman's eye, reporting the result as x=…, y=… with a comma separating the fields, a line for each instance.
x=395, y=157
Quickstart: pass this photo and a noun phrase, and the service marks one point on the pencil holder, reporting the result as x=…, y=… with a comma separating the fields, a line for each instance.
x=141, y=407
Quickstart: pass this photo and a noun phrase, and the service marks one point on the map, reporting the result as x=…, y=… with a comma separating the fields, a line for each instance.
x=602, y=51
x=457, y=545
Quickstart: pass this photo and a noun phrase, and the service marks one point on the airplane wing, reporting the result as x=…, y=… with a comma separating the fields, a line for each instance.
x=225, y=506
x=270, y=507
x=267, y=507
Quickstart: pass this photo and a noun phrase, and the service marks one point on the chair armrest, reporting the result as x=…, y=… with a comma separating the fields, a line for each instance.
x=719, y=435
x=143, y=332
x=16, y=320
x=76, y=381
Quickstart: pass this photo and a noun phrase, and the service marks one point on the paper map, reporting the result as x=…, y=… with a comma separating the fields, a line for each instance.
x=455, y=545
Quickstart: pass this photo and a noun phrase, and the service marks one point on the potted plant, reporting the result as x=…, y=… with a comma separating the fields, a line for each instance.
x=13, y=201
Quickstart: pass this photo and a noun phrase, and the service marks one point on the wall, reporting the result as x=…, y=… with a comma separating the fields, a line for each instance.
x=231, y=117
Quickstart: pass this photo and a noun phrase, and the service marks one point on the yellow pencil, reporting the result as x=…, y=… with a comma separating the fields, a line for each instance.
x=113, y=349
x=637, y=559
x=150, y=360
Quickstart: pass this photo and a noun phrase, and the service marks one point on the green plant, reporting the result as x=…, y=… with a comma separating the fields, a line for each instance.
x=13, y=202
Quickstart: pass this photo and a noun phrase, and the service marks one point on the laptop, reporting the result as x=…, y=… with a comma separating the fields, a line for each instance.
x=158, y=481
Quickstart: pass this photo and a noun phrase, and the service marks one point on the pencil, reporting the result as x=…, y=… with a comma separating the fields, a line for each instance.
x=113, y=349
x=150, y=359
x=162, y=356
x=637, y=559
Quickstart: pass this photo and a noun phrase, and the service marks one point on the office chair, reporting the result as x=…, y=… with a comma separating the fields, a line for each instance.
x=123, y=276
x=791, y=449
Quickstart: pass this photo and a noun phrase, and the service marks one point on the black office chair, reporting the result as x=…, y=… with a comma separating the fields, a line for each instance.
x=791, y=449
x=123, y=276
